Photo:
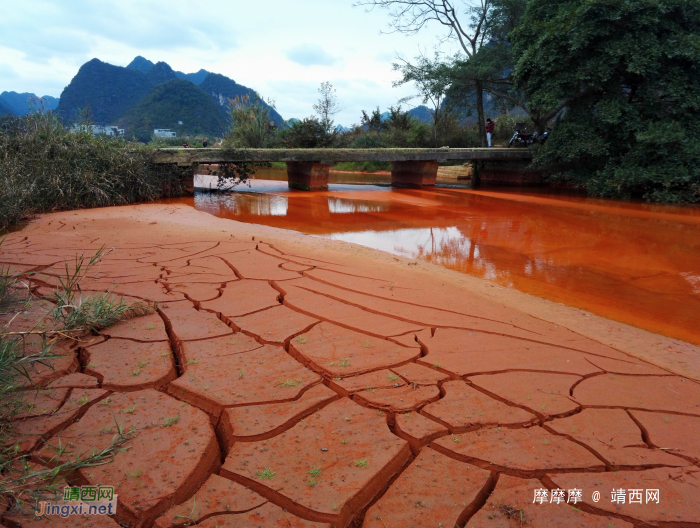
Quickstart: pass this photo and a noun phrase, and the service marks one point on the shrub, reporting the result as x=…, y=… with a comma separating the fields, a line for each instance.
x=43, y=168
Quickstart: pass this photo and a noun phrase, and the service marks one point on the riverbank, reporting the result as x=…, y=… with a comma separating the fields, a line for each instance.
x=296, y=376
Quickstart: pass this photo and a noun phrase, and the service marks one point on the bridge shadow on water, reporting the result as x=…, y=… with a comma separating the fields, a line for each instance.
x=633, y=262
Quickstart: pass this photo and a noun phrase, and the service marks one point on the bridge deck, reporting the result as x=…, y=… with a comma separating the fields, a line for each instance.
x=192, y=156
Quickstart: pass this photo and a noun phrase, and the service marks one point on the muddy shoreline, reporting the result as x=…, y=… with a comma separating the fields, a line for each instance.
x=291, y=380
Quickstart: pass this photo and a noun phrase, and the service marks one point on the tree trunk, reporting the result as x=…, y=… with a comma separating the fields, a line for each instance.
x=435, y=127
x=478, y=85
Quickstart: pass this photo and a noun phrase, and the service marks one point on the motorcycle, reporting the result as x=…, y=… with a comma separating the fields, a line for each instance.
x=544, y=135
x=520, y=138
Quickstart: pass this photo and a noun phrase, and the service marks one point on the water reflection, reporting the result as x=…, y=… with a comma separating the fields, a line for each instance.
x=241, y=204
x=341, y=206
x=636, y=263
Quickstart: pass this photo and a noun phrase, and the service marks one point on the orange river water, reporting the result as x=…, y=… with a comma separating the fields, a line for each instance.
x=636, y=263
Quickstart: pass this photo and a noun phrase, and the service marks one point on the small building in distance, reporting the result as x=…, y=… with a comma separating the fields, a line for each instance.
x=95, y=130
x=164, y=133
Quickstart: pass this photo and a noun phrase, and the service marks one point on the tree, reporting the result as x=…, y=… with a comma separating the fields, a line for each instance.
x=250, y=122
x=466, y=22
x=373, y=122
x=327, y=106
x=432, y=79
x=627, y=74
x=307, y=133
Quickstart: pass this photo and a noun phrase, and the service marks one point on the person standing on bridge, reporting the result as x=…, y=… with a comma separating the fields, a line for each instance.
x=490, y=125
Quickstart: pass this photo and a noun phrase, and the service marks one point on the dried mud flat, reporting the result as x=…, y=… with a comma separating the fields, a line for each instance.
x=288, y=381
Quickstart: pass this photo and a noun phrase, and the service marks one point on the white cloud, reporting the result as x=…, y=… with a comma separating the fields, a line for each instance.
x=311, y=55
x=282, y=49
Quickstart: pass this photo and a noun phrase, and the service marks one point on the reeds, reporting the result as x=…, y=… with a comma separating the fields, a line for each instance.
x=44, y=167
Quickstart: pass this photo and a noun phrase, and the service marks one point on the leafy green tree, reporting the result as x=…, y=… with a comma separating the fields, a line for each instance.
x=432, y=80
x=627, y=74
x=250, y=122
x=372, y=121
x=465, y=22
x=306, y=133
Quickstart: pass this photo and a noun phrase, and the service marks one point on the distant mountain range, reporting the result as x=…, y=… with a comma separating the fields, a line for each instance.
x=421, y=114
x=143, y=96
x=19, y=104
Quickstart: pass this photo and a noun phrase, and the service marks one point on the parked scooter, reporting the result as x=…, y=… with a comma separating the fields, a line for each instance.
x=519, y=138
x=544, y=136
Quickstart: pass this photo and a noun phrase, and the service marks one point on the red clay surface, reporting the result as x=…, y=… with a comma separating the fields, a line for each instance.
x=281, y=385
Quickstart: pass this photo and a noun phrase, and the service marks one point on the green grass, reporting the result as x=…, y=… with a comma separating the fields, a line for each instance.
x=22, y=482
x=362, y=166
x=266, y=474
x=362, y=463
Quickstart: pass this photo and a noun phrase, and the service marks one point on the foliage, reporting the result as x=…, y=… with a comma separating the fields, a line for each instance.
x=430, y=76
x=43, y=168
x=628, y=73
x=306, y=133
x=110, y=90
x=362, y=166
x=75, y=311
x=465, y=22
x=250, y=123
x=221, y=88
x=170, y=103
x=20, y=481
x=195, y=141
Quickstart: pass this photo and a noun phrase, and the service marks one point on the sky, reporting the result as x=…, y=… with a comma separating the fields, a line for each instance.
x=284, y=49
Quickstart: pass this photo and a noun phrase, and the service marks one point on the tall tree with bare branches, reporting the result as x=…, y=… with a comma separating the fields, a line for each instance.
x=465, y=21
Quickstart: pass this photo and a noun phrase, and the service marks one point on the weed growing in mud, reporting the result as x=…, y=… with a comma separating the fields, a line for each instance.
x=191, y=516
x=513, y=513
x=266, y=474
x=393, y=377
x=289, y=383
x=21, y=481
x=342, y=363
x=301, y=339
x=362, y=463
x=76, y=313
x=315, y=473
x=171, y=421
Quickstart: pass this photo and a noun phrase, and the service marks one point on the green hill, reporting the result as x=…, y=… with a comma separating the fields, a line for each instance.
x=221, y=88
x=169, y=103
x=4, y=110
x=108, y=90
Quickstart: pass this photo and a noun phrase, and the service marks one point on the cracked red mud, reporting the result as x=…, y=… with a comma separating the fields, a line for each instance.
x=336, y=391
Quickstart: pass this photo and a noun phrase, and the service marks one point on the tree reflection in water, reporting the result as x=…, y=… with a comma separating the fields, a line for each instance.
x=636, y=263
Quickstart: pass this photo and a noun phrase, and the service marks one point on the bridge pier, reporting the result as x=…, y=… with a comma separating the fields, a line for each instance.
x=413, y=174
x=307, y=175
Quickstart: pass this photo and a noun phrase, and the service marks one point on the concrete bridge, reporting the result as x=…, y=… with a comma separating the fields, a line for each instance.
x=308, y=169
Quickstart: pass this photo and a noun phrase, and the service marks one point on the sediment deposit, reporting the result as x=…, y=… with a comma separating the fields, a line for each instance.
x=290, y=381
